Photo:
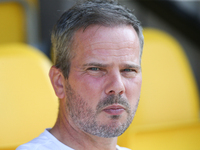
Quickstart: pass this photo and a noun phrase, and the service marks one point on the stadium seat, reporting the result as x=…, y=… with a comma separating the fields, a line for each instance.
x=28, y=104
x=19, y=21
x=168, y=112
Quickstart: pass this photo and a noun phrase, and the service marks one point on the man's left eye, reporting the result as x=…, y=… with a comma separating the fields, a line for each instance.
x=129, y=70
x=129, y=73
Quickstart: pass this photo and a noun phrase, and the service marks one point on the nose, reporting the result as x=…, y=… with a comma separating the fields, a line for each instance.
x=114, y=84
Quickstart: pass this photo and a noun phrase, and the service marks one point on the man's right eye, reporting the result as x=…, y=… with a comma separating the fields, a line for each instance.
x=93, y=69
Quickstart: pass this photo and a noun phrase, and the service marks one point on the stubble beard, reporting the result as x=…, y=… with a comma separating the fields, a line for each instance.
x=85, y=118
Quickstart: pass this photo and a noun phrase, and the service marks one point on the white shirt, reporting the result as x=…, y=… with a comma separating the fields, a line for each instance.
x=46, y=141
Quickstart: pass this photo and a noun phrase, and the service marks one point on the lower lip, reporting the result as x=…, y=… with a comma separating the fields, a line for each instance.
x=114, y=111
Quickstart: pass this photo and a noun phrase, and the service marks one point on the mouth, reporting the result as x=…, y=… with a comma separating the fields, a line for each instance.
x=114, y=109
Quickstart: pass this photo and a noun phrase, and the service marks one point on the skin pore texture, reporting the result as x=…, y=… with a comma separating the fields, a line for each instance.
x=99, y=98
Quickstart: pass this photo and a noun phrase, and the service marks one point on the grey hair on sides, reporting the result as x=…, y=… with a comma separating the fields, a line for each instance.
x=91, y=12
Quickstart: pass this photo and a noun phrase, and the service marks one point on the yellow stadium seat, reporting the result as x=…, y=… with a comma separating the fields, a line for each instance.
x=28, y=104
x=168, y=112
x=19, y=21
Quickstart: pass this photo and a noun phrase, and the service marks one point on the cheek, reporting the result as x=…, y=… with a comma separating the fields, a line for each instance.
x=133, y=88
x=88, y=88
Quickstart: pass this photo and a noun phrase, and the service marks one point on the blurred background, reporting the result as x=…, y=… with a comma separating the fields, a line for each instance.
x=31, y=21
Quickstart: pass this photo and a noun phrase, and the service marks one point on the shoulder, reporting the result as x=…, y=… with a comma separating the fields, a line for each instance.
x=39, y=143
x=121, y=148
x=46, y=141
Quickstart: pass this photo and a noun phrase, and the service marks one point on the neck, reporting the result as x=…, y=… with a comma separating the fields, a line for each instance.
x=67, y=133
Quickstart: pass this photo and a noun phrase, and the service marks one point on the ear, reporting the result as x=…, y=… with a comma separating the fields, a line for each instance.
x=57, y=81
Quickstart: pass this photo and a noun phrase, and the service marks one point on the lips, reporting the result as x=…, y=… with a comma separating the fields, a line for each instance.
x=114, y=109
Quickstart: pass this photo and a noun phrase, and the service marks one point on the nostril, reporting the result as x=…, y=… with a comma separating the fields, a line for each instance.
x=120, y=93
x=111, y=92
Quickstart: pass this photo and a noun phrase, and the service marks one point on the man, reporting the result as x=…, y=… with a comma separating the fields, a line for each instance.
x=96, y=76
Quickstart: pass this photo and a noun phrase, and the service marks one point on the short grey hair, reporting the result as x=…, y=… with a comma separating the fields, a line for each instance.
x=83, y=14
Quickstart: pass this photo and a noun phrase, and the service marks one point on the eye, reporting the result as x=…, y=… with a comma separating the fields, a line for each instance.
x=129, y=73
x=129, y=70
x=94, y=69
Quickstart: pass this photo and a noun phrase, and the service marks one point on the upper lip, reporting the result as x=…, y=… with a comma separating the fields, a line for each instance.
x=114, y=106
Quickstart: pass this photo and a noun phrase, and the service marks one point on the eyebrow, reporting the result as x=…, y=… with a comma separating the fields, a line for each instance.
x=106, y=65
x=96, y=64
x=132, y=66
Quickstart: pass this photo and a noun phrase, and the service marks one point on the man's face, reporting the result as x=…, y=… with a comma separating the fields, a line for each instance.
x=103, y=88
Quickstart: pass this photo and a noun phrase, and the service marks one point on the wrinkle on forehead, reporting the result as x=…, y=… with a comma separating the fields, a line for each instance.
x=98, y=32
x=110, y=49
x=112, y=53
x=111, y=45
x=107, y=41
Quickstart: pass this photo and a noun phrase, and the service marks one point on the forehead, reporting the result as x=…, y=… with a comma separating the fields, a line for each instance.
x=104, y=41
